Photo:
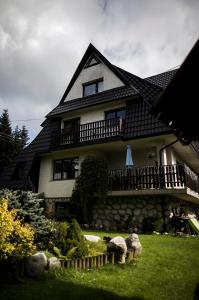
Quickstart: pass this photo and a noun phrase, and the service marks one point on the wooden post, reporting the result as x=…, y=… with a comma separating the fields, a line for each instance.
x=80, y=263
x=105, y=258
x=98, y=261
x=91, y=262
x=67, y=263
x=113, y=258
x=72, y=264
x=83, y=264
x=101, y=260
x=62, y=263
x=87, y=263
x=75, y=264
x=94, y=261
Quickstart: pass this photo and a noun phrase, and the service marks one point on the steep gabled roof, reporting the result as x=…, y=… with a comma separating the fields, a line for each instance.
x=90, y=51
x=122, y=92
x=162, y=79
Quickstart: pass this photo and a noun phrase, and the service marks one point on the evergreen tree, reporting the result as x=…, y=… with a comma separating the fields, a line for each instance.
x=11, y=143
x=91, y=186
x=5, y=126
x=24, y=136
x=31, y=210
x=75, y=241
x=6, y=140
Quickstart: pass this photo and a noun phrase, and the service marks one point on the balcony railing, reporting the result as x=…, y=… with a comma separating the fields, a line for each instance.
x=154, y=177
x=89, y=132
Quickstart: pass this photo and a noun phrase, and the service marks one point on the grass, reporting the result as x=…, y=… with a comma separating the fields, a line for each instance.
x=167, y=269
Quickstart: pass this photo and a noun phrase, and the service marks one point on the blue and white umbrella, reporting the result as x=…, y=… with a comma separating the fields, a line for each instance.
x=129, y=159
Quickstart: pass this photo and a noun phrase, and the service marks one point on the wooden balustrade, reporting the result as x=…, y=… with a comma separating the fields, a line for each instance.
x=153, y=177
x=88, y=133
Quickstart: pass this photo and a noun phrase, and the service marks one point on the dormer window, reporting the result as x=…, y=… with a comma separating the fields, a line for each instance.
x=93, y=87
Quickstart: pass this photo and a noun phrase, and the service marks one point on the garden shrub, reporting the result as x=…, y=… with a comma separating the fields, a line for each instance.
x=16, y=238
x=76, y=240
x=95, y=249
x=30, y=209
x=151, y=224
x=68, y=240
x=60, y=237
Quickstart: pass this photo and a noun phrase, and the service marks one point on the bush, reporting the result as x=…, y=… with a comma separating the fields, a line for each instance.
x=68, y=240
x=76, y=241
x=60, y=236
x=16, y=239
x=151, y=224
x=30, y=209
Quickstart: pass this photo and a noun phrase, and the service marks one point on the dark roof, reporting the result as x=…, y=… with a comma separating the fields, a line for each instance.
x=147, y=90
x=178, y=104
x=162, y=79
x=39, y=145
x=103, y=97
x=141, y=123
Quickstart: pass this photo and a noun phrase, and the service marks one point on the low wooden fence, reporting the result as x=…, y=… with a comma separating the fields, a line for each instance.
x=88, y=262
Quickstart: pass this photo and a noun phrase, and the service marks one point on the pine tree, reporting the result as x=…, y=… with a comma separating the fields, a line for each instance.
x=11, y=143
x=6, y=140
x=24, y=136
x=5, y=126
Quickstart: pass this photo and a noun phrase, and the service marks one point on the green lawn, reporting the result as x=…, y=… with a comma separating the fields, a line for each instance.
x=167, y=269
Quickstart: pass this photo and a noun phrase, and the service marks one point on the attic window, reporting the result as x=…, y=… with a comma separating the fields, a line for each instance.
x=93, y=87
x=19, y=170
x=92, y=61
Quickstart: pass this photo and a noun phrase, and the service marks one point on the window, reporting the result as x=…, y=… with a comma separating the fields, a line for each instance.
x=65, y=168
x=19, y=170
x=117, y=113
x=92, y=61
x=93, y=87
x=60, y=206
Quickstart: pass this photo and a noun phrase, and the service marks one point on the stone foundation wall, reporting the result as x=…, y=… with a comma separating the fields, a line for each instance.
x=119, y=213
x=50, y=203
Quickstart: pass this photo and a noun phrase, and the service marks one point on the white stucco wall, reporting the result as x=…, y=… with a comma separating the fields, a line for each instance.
x=93, y=73
x=58, y=188
x=96, y=114
x=51, y=188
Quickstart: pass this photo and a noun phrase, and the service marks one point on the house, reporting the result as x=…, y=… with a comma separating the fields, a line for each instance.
x=104, y=109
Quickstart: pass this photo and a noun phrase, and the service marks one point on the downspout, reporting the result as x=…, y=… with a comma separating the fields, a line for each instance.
x=163, y=198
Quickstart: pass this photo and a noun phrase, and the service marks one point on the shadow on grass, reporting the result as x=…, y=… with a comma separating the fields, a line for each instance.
x=57, y=289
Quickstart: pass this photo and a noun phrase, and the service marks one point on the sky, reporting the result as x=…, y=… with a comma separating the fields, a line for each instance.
x=42, y=43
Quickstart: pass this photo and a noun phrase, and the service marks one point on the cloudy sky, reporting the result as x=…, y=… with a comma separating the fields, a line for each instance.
x=42, y=42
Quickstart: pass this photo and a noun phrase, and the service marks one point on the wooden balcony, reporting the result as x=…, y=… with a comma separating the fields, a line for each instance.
x=154, y=177
x=88, y=133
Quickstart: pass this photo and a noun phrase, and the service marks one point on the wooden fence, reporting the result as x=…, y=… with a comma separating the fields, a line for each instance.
x=88, y=262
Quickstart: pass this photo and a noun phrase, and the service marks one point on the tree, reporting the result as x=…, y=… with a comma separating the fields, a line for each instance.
x=30, y=209
x=91, y=186
x=6, y=140
x=24, y=136
x=11, y=143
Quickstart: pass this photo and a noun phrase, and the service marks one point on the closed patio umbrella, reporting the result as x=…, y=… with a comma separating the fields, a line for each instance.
x=129, y=159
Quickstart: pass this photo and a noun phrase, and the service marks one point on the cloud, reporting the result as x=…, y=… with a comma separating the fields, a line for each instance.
x=42, y=42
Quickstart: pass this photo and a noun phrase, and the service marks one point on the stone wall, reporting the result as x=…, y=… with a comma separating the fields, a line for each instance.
x=51, y=202
x=119, y=213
